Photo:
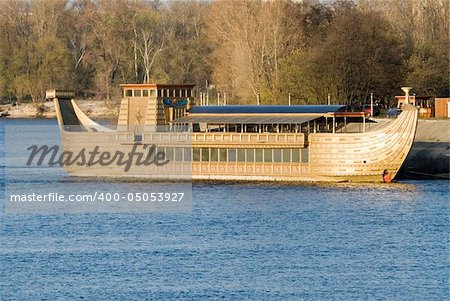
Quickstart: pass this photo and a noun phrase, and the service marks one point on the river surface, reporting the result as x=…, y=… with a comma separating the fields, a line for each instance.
x=242, y=241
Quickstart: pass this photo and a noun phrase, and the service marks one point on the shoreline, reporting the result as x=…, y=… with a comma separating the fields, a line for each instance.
x=95, y=109
x=428, y=130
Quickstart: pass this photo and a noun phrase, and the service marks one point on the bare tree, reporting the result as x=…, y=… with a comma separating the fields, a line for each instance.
x=150, y=38
x=47, y=16
x=251, y=37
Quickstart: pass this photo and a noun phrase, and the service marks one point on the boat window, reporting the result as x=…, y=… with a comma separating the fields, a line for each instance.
x=250, y=154
x=232, y=155
x=241, y=155
x=196, y=154
x=305, y=155
x=304, y=128
x=236, y=155
x=161, y=150
x=258, y=155
x=150, y=154
x=128, y=93
x=214, y=154
x=178, y=154
x=169, y=153
x=137, y=93
x=145, y=93
x=187, y=154
x=295, y=155
x=189, y=93
x=268, y=155
x=277, y=155
x=286, y=155
x=223, y=154
x=205, y=154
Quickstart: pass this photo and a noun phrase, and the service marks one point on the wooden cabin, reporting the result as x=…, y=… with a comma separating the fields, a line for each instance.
x=153, y=104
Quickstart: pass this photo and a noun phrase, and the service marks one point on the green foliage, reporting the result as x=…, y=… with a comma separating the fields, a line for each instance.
x=346, y=61
x=244, y=48
x=429, y=73
x=185, y=56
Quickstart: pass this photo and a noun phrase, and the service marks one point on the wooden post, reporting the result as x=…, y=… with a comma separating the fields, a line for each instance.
x=371, y=104
x=364, y=124
x=334, y=124
x=406, y=90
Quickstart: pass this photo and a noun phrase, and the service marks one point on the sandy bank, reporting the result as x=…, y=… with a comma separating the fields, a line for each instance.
x=98, y=109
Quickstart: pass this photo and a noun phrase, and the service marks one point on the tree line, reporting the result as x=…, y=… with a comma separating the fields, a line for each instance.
x=255, y=49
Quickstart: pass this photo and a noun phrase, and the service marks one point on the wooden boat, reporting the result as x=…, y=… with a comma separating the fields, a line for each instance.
x=262, y=143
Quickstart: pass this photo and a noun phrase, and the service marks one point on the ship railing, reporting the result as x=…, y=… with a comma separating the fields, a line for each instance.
x=245, y=138
x=213, y=138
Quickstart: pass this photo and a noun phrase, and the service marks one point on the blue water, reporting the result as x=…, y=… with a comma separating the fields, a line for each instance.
x=241, y=242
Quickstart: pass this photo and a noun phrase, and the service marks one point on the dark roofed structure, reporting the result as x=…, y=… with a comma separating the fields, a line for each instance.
x=240, y=114
x=238, y=109
x=239, y=118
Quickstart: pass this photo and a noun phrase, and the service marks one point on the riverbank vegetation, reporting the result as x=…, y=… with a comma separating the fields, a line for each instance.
x=246, y=49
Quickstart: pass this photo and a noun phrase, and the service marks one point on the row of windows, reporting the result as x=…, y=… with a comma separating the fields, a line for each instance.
x=161, y=93
x=139, y=93
x=275, y=155
x=175, y=93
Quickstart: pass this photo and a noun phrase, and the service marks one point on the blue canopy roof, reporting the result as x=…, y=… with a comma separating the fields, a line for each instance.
x=321, y=109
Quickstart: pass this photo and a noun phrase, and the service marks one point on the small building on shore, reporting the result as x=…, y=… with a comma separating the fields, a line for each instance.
x=424, y=103
x=429, y=107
